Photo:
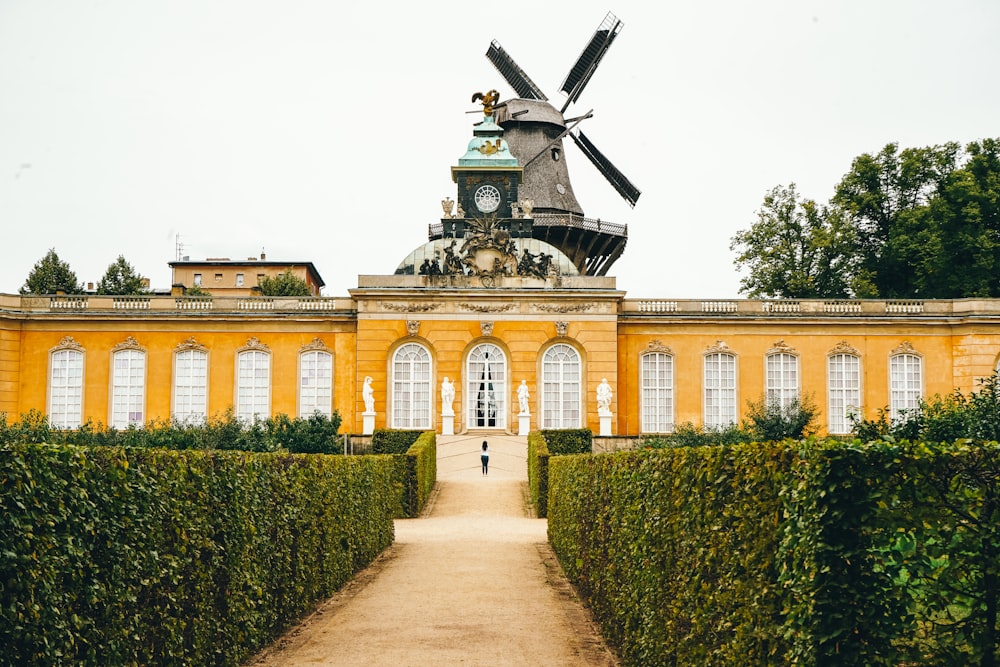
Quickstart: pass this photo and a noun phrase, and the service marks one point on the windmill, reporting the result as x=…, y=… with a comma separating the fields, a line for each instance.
x=534, y=130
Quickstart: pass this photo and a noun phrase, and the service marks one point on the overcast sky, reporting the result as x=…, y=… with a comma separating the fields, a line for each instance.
x=325, y=132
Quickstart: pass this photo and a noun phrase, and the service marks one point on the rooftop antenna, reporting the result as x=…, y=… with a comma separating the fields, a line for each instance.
x=178, y=247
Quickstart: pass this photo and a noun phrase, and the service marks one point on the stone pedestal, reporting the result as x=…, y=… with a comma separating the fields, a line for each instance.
x=448, y=424
x=369, y=423
x=523, y=424
x=605, y=418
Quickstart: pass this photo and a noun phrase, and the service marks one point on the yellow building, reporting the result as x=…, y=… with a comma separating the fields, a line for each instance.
x=504, y=320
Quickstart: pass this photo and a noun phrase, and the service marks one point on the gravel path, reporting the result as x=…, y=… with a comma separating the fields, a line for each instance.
x=473, y=582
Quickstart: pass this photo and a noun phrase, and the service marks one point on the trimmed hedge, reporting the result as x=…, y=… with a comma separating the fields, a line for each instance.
x=392, y=441
x=112, y=556
x=542, y=445
x=819, y=553
x=416, y=473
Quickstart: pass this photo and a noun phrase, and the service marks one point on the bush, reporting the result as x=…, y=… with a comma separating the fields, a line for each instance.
x=767, y=421
x=689, y=435
x=392, y=441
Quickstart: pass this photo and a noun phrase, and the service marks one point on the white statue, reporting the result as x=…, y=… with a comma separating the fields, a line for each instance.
x=523, y=396
x=604, y=397
x=447, y=205
x=447, y=397
x=527, y=205
x=369, y=394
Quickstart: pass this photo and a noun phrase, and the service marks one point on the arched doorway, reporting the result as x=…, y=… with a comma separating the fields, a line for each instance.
x=486, y=387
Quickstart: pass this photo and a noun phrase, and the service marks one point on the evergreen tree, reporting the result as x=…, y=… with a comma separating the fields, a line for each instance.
x=50, y=275
x=121, y=279
x=284, y=284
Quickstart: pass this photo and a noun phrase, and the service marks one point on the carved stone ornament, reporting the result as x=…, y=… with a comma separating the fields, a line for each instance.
x=844, y=348
x=486, y=328
x=447, y=205
x=781, y=347
x=570, y=308
x=315, y=345
x=562, y=328
x=489, y=253
x=656, y=345
x=68, y=343
x=412, y=327
x=720, y=346
x=191, y=344
x=905, y=348
x=129, y=343
x=411, y=307
x=485, y=308
x=253, y=343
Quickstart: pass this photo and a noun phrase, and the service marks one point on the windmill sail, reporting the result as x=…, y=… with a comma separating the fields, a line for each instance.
x=579, y=75
x=625, y=188
x=514, y=75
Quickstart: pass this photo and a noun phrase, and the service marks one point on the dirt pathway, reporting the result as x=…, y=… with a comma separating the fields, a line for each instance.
x=474, y=582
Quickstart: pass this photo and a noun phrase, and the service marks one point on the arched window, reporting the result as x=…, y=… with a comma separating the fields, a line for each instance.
x=253, y=385
x=128, y=388
x=66, y=388
x=486, y=387
x=720, y=390
x=561, y=380
x=843, y=391
x=657, y=403
x=782, y=371
x=191, y=385
x=315, y=383
x=411, y=387
x=906, y=383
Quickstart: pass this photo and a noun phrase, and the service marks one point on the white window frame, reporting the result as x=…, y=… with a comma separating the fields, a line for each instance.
x=843, y=391
x=253, y=385
x=65, y=408
x=315, y=383
x=562, y=387
x=477, y=390
x=190, y=386
x=781, y=379
x=720, y=390
x=906, y=384
x=656, y=403
x=128, y=388
x=412, y=388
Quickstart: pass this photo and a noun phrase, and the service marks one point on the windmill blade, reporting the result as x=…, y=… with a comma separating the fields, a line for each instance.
x=515, y=76
x=625, y=188
x=579, y=75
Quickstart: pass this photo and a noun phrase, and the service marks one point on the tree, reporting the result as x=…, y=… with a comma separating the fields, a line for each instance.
x=797, y=249
x=769, y=421
x=121, y=279
x=284, y=284
x=51, y=275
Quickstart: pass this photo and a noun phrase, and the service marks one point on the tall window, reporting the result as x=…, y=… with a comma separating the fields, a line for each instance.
x=411, y=387
x=905, y=384
x=66, y=388
x=191, y=386
x=782, y=379
x=720, y=390
x=844, y=391
x=561, y=380
x=315, y=383
x=128, y=388
x=657, y=369
x=486, y=388
x=253, y=385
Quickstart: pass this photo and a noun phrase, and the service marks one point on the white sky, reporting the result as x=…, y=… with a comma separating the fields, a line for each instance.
x=325, y=132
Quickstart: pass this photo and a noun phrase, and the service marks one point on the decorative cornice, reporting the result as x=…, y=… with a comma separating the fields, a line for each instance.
x=190, y=344
x=573, y=308
x=844, y=348
x=781, y=347
x=129, y=343
x=412, y=327
x=720, y=346
x=656, y=345
x=253, y=343
x=316, y=345
x=67, y=343
x=411, y=307
x=905, y=348
x=484, y=308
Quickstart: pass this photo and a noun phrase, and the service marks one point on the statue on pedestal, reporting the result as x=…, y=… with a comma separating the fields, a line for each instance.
x=447, y=397
x=369, y=395
x=522, y=397
x=604, y=397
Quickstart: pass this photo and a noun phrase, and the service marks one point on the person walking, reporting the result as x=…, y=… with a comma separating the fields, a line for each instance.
x=484, y=456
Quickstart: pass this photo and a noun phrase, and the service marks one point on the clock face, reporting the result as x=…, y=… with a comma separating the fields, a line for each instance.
x=487, y=198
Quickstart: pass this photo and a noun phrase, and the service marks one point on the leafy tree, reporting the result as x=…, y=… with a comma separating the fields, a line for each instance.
x=284, y=284
x=196, y=290
x=797, y=249
x=51, y=275
x=121, y=279
x=769, y=421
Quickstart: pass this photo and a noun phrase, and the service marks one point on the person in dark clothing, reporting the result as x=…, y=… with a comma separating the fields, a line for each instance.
x=484, y=456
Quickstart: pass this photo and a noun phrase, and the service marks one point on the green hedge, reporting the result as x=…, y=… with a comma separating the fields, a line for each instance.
x=822, y=553
x=542, y=445
x=392, y=441
x=112, y=556
x=416, y=474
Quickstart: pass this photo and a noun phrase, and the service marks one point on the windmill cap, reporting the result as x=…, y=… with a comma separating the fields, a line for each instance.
x=533, y=111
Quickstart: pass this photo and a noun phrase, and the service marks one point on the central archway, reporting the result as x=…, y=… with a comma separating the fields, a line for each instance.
x=486, y=387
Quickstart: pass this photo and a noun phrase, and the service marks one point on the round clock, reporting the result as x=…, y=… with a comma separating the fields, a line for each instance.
x=487, y=198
